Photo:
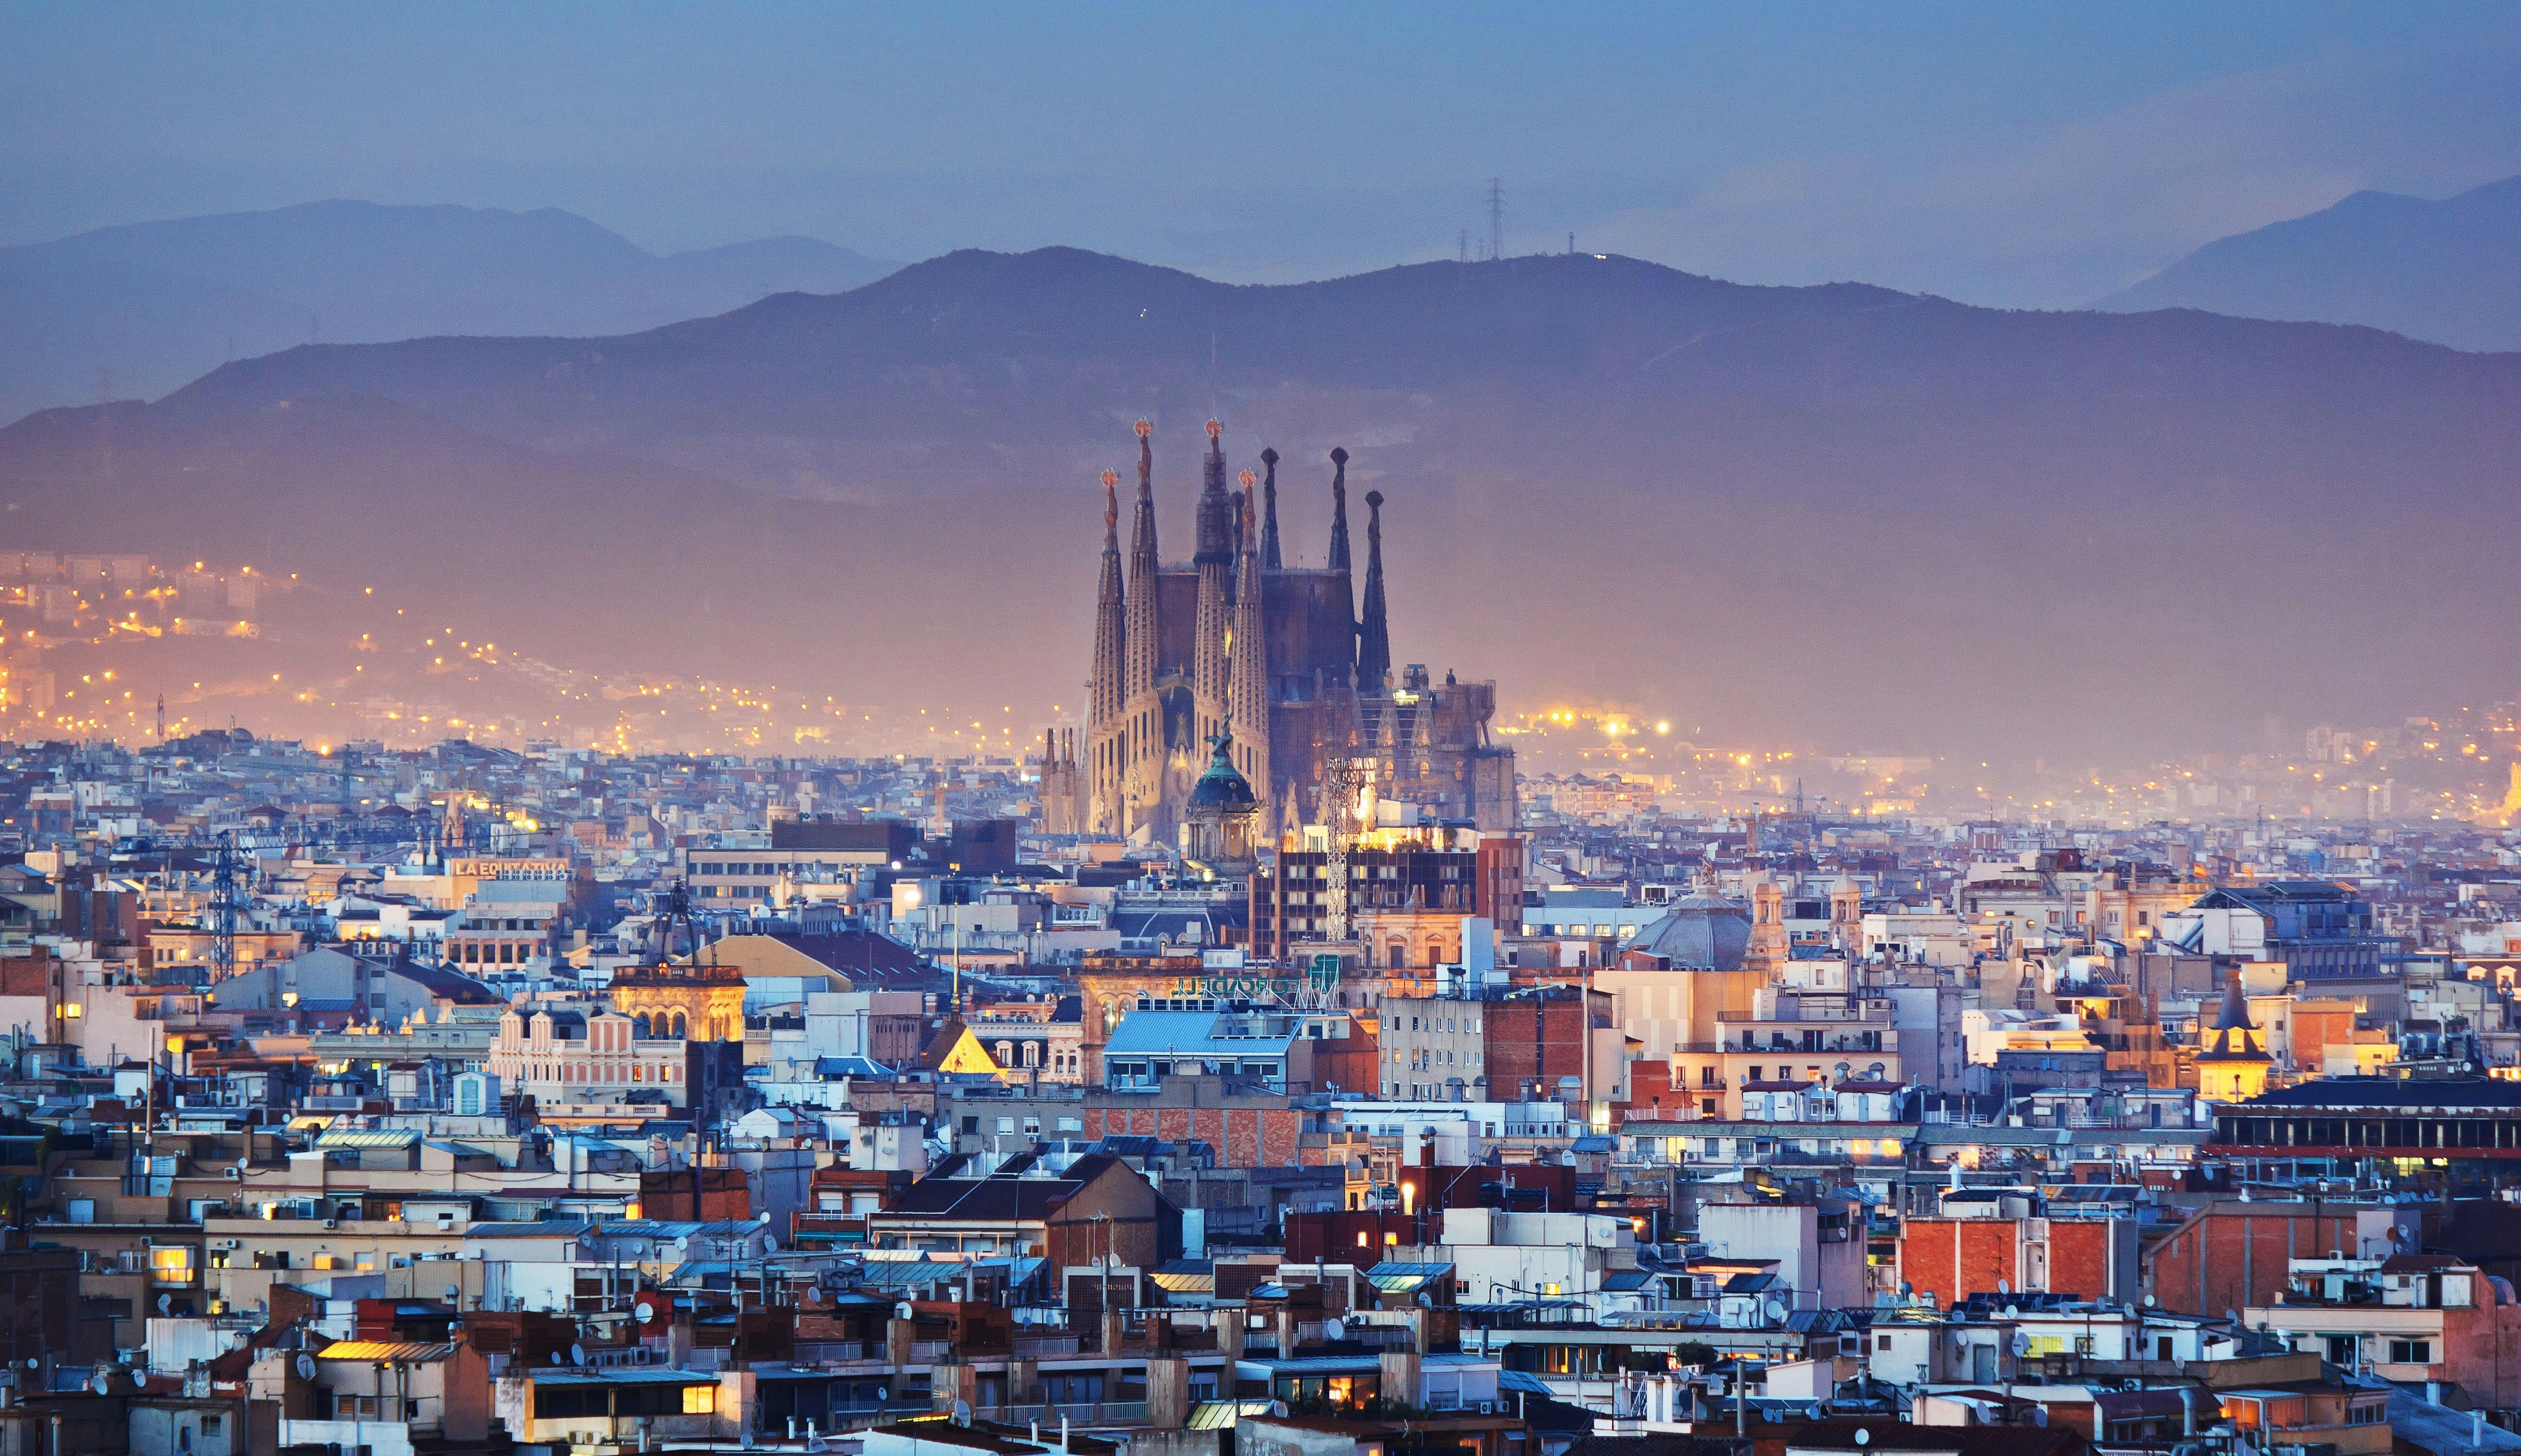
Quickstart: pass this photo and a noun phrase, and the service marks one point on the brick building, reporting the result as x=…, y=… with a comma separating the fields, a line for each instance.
x=1951, y=1259
x=1536, y=1039
x=2232, y=1254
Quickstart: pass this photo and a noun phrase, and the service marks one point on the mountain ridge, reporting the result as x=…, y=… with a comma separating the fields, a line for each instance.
x=160, y=303
x=2445, y=271
x=1766, y=508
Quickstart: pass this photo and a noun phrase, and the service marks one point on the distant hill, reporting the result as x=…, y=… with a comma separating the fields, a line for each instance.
x=2446, y=271
x=159, y=303
x=1840, y=513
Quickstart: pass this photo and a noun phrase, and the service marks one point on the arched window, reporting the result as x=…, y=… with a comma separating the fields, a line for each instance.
x=1006, y=1053
x=679, y=1026
x=639, y=1024
x=1032, y=1053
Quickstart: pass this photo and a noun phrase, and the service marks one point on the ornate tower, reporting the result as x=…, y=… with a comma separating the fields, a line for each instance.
x=1106, y=691
x=1374, y=633
x=2234, y=1066
x=1214, y=561
x=1269, y=561
x=1248, y=653
x=1142, y=710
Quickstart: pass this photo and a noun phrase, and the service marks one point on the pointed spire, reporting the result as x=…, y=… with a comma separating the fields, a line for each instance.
x=1142, y=540
x=1247, y=667
x=1144, y=600
x=1111, y=621
x=1373, y=635
x=1269, y=561
x=2236, y=1007
x=1339, y=509
x=1215, y=512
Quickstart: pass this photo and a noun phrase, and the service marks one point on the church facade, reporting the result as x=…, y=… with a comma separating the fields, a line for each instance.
x=1279, y=663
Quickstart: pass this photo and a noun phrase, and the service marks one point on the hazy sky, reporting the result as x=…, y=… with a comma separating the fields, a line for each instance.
x=2035, y=155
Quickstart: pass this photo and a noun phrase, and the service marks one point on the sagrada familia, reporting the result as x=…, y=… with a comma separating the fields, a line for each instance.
x=1272, y=668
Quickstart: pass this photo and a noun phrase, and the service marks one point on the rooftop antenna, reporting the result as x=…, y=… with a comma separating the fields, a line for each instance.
x=1466, y=245
x=1496, y=217
x=161, y=717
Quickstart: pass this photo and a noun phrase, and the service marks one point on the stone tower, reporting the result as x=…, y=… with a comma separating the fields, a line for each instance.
x=1142, y=708
x=1248, y=655
x=1374, y=632
x=1214, y=561
x=1106, y=690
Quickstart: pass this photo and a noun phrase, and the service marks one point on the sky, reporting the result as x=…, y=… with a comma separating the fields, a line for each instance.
x=2004, y=154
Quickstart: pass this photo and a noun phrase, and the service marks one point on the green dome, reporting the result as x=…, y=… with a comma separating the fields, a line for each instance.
x=1221, y=789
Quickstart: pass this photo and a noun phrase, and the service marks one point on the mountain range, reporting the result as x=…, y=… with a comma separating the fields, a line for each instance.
x=1836, y=514
x=160, y=303
x=2447, y=271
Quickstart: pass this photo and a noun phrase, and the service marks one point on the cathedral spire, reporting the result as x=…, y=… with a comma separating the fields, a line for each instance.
x=1111, y=622
x=1248, y=653
x=1373, y=635
x=1144, y=594
x=1215, y=510
x=1269, y=561
x=1213, y=624
x=1339, y=509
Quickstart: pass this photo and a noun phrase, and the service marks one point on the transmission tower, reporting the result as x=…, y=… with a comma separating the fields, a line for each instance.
x=223, y=909
x=1496, y=217
x=161, y=719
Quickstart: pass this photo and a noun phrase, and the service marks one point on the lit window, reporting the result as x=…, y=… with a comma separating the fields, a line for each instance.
x=700, y=1401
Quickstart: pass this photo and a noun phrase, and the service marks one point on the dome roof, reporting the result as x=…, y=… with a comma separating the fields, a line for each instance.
x=1699, y=932
x=1221, y=787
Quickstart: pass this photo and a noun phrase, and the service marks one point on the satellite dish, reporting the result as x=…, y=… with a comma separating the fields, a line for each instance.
x=2040, y=1414
x=884, y=1393
x=555, y=1354
x=2232, y=1316
x=1813, y=1412
x=306, y=1366
x=166, y=1303
x=2003, y=1288
x=99, y=1382
x=901, y=1310
x=2021, y=1343
x=962, y=1413
x=1333, y=1329
x=2013, y=1312
x=1776, y=1309
x=644, y=1313
x=577, y=1354
x=2149, y=1301
x=1863, y=1437
x=453, y=1294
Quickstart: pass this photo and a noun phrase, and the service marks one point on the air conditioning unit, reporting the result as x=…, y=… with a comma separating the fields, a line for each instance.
x=1487, y=1407
x=234, y=1173
x=223, y=1246
x=328, y=1223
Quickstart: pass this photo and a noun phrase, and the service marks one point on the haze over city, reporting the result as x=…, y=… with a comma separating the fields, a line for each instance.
x=1284, y=730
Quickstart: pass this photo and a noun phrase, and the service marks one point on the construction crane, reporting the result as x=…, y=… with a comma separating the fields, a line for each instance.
x=225, y=901
x=1343, y=782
